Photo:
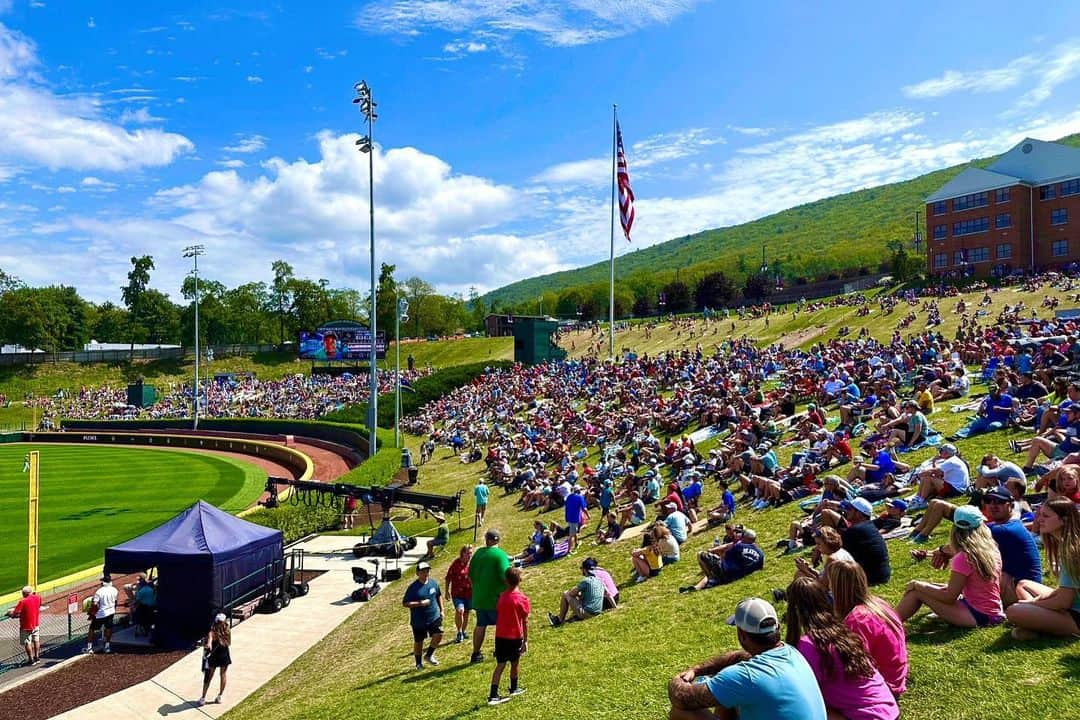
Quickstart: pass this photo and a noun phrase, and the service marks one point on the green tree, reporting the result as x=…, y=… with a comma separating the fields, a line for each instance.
x=714, y=290
x=417, y=291
x=133, y=294
x=677, y=294
x=110, y=323
x=246, y=311
x=386, y=296
x=283, y=276
x=161, y=317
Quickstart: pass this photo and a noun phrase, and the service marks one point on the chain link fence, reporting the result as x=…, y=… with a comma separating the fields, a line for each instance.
x=55, y=630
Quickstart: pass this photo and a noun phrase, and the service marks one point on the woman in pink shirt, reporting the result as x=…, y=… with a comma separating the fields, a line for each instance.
x=872, y=619
x=972, y=598
x=850, y=684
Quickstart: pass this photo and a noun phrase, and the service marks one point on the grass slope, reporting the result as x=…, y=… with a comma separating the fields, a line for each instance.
x=844, y=231
x=47, y=378
x=94, y=497
x=618, y=665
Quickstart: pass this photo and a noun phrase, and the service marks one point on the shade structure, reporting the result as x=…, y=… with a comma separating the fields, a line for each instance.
x=206, y=561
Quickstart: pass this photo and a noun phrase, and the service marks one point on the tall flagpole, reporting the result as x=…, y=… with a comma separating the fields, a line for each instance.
x=611, y=288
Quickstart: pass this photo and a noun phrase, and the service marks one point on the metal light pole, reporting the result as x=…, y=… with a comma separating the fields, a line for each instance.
x=364, y=144
x=194, y=251
x=401, y=314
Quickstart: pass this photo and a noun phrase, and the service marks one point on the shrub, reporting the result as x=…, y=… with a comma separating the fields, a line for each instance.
x=297, y=521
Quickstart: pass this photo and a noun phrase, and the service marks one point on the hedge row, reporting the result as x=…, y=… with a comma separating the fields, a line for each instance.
x=423, y=391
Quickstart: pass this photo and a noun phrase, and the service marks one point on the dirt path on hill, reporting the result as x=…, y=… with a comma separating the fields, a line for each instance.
x=799, y=337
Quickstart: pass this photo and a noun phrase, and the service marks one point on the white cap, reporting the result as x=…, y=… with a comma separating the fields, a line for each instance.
x=220, y=617
x=755, y=616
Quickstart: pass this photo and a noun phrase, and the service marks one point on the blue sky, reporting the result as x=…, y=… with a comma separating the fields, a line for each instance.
x=129, y=128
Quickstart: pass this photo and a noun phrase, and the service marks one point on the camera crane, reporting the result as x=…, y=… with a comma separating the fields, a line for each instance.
x=385, y=541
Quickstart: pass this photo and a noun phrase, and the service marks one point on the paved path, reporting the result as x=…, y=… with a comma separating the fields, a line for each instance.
x=263, y=645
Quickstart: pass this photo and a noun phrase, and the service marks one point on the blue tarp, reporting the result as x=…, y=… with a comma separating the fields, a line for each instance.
x=206, y=559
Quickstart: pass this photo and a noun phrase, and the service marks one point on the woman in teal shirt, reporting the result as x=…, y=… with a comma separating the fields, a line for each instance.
x=1042, y=609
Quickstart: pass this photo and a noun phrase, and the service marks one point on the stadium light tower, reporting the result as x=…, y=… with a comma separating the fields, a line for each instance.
x=193, y=252
x=364, y=144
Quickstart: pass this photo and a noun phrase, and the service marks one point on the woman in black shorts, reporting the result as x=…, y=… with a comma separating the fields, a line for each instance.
x=216, y=656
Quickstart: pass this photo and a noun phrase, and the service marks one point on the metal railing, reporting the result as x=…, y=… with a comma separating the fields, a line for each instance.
x=54, y=630
x=90, y=356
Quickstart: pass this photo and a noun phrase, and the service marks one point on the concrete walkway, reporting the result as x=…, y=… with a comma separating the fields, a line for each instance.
x=262, y=646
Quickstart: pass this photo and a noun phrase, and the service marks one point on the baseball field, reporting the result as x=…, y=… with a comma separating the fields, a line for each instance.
x=93, y=497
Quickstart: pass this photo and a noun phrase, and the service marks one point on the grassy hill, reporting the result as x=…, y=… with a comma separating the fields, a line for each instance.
x=811, y=240
x=618, y=665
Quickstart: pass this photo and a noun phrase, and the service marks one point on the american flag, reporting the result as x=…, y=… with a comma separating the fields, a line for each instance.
x=626, y=194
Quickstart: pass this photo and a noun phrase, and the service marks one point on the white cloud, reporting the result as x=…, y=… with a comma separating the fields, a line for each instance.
x=140, y=116
x=579, y=22
x=751, y=131
x=246, y=144
x=64, y=189
x=458, y=47
x=254, y=79
x=40, y=127
x=232, y=163
x=308, y=68
x=97, y=184
x=189, y=78
x=1044, y=71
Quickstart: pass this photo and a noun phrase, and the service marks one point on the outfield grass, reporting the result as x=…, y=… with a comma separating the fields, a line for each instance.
x=93, y=497
x=618, y=665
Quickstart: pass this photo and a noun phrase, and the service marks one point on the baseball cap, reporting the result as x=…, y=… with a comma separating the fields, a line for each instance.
x=106, y=578
x=999, y=493
x=589, y=563
x=749, y=535
x=671, y=506
x=422, y=566
x=220, y=617
x=948, y=448
x=967, y=517
x=755, y=616
x=492, y=535
x=899, y=504
x=861, y=505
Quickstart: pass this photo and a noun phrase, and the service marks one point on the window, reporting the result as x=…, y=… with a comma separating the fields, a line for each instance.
x=1070, y=187
x=968, y=227
x=979, y=254
x=941, y=207
x=959, y=257
x=1059, y=248
x=966, y=202
x=1059, y=216
x=941, y=260
x=1004, y=251
x=1002, y=195
x=1003, y=220
x=1046, y=192
x=941, y=232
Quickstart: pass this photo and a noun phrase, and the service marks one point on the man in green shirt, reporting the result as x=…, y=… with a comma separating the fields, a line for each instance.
x=586, y=599
x=487, y=571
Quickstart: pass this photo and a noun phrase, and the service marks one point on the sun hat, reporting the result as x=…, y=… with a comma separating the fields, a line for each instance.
x=755, y=616
x=967, y=517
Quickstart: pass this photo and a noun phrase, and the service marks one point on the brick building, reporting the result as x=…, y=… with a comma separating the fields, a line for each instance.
x=1016, y=214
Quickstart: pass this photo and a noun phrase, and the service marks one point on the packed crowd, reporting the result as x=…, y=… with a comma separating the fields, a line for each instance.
x=294, y=396
x=843, y=653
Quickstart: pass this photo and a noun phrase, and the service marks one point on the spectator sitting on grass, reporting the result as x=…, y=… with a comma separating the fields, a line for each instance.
x=972, y=597
x=994, y=413
x=1044, y=610
x=611, y=590
x=850, y=683
x=608, y=534
x=442, y=536
x=947, y=477
x=872, y=619
x=828, y=547
x=647, y=560
x=677, y=522
x=585, y=600
x=725, y=511
x=764, y=679
x=729, y=561
x=994, y=471
x=861, y=538
x=634, y=513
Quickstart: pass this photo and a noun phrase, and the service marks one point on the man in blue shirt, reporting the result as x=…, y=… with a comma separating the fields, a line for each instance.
x=994, y=413
x=480, y=492
x=574, y=509
x=766, y=679
x=424, y=600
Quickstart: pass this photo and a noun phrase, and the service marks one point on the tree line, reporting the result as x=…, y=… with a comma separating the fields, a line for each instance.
x=56, y=317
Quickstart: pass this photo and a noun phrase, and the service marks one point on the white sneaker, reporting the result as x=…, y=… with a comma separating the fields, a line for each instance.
x=218, y=700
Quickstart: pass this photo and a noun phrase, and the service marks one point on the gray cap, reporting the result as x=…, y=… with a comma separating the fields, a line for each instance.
x=755, y=616
x=948, y=448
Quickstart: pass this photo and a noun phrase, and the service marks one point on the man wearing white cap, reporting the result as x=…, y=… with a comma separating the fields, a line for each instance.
x=766, y=679
x=948, y=477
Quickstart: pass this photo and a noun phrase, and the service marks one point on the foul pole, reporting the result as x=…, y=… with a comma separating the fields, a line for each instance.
x=31, y=466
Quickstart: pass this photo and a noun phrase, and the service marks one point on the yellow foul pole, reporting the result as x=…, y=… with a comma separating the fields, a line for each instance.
x=31, y=466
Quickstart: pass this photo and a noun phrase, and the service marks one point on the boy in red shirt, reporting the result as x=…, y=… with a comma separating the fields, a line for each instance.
x=511, y=635
x=28, y=610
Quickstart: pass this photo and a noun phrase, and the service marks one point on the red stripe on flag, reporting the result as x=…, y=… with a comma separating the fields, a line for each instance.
x=626, y=194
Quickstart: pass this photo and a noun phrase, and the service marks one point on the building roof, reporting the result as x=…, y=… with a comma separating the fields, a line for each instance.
x=1032, y=162
x=1039, y=162
x=973, y=180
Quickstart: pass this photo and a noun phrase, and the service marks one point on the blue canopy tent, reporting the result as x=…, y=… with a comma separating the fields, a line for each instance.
x=207, y=560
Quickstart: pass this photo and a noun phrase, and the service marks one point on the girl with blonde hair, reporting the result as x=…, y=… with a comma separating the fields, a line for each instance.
x=972, y=597
x=872, y=619
x=1042, y=609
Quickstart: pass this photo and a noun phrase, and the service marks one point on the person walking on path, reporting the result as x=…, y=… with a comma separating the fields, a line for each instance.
x=511, y=636
x=216, y=656
x=28, y=610
x=459, y=588
x=481, y=492
x=424, y=600
x=487, y=571
x=103, y=608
